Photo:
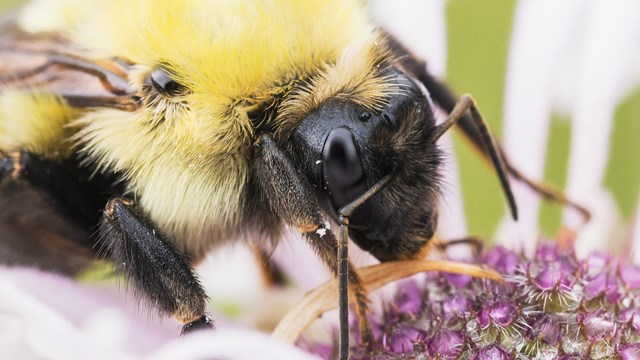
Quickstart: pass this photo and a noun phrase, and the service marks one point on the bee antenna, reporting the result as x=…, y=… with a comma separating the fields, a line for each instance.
x=465, y=103
x=348, y=209
x=343, y=268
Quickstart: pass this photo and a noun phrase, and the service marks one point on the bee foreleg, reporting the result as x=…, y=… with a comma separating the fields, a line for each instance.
x=112, y=80
x=292, y=198
x=444, y=97
x=157, y=271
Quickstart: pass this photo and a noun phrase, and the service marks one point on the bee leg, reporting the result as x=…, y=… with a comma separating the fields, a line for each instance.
x=272, y=275
x=474, y=242
x=444, y=97
x=292, y=198
x=158, y=272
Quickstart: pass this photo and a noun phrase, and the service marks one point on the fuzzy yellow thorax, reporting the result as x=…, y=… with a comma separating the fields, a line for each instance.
x=187, y=160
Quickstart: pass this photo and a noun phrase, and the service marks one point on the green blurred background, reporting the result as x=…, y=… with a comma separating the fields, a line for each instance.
x=5, y=4
x=480, y=30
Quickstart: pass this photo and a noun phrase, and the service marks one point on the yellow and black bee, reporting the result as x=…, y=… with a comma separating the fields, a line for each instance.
x=173, y=127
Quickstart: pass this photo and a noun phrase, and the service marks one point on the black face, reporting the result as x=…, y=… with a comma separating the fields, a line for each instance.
x=346, y=149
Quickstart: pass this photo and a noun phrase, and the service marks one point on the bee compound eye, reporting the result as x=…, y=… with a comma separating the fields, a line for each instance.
x=164, y=83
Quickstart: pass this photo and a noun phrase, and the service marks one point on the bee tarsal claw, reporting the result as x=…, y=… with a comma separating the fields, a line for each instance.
x=203, y=323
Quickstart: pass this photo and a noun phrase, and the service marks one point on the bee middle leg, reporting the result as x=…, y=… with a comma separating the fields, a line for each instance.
x=292, y=198
x=474, y=242
x=156, y=269
x=272, y=274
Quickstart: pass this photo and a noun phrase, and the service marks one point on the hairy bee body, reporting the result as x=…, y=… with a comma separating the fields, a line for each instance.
x=170, y=127
x=196, y=149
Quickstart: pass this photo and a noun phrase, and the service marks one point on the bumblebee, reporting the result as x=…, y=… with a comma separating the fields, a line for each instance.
x=150, y=132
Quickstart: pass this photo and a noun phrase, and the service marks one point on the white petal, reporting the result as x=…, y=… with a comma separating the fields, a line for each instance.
x=229, y=344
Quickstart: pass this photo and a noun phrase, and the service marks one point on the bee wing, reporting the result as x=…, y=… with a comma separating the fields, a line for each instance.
x=52, y=64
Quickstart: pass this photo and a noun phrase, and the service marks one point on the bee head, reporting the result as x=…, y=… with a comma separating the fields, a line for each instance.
x=352, y=148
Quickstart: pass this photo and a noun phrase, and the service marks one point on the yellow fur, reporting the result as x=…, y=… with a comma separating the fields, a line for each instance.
x=34, y=122
x=187, y=160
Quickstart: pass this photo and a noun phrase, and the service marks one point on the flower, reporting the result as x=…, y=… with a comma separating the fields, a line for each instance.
x=550, y=306
x=48, y=316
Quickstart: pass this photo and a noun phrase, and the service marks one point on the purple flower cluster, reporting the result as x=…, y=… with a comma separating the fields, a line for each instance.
x=553, y=306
